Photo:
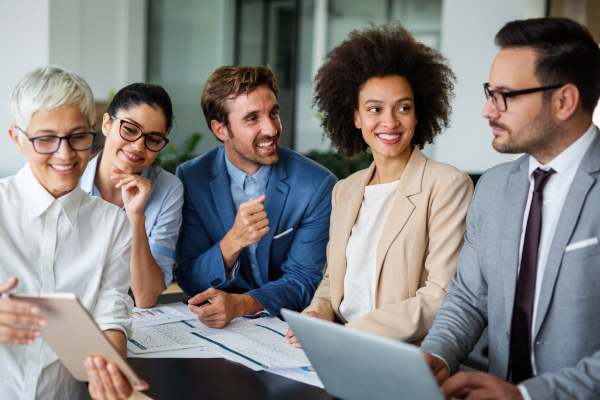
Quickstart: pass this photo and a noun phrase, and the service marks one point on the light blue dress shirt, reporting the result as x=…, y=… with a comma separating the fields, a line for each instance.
x=162, y=211
x=244, y=188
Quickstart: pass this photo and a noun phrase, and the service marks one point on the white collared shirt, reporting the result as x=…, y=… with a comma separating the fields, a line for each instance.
x=555, y=195
x=76, y=243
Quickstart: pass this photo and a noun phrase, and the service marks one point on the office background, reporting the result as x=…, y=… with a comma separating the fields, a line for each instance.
x=178, y=43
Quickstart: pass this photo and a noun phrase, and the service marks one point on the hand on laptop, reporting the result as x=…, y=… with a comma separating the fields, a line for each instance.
x=13, y=312
x=291, y=338
x=223, y=307
x=106, y=380
x=438, y=367
x=479, y=385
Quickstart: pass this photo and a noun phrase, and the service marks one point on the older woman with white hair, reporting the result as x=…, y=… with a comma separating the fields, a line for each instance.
x=54, y=237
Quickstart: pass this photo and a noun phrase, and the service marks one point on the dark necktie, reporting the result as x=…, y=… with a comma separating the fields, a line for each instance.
x=520, y=343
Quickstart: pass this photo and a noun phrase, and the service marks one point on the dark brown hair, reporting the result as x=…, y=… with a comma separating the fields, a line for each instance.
x=227, y=83
x=379, y=51
x=135, y=95
x=567, y=53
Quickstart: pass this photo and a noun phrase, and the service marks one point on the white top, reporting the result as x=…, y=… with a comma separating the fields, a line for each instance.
x=361, y=270
x=76, y=243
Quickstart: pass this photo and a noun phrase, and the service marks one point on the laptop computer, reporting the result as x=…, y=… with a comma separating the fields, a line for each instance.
x=359, y=365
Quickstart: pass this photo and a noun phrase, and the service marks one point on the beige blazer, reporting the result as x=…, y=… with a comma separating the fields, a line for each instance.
x=416, y=254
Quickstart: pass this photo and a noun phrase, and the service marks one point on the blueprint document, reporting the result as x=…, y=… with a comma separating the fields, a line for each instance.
x=173, y=336
x=258, y=344
x=302, y=374
x=157, y=315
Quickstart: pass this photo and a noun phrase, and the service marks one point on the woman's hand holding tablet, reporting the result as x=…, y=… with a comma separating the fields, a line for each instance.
x=14, y=312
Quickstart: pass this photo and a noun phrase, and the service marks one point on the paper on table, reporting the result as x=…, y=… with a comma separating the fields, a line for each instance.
x=149, y=339
x=195, y=352
x=157, y=315
x=258, y=344
x=303, y=374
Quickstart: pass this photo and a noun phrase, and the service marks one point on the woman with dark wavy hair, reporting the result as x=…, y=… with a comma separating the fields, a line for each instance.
x=396, y=227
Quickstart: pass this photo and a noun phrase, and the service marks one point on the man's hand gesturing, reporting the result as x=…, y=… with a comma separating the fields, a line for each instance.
x=250, y=225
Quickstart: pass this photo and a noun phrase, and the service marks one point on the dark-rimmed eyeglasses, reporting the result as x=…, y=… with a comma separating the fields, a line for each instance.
x=50, y=144
x=131, y=132
x=499, y=98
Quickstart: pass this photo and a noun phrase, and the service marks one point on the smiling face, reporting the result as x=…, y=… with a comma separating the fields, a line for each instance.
x=60, y=171
x=132, y=157
x=527, y=125
x=252, y=139
x=386, y=116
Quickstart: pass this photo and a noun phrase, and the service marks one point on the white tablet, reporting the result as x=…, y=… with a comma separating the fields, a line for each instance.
x=73, y=335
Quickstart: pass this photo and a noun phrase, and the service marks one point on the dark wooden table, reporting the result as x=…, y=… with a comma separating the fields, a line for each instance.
x=215, y=378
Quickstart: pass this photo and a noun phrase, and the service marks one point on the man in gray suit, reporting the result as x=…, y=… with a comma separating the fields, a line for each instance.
x=530, y=265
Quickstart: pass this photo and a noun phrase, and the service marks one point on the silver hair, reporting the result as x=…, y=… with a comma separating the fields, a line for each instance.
x=48, y=88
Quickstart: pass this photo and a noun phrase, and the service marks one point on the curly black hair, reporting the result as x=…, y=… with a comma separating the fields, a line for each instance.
x=379, y=51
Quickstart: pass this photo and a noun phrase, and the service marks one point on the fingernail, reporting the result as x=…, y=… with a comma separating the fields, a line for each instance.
x=98, y=363
x=38, y=334
x=112, y=368
x=43, y=322
x=35, y=310
x=30, y=341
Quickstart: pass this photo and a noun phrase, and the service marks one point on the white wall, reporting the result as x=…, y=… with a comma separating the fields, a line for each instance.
x=24, y=46
x=468, y=30
x=102, y=41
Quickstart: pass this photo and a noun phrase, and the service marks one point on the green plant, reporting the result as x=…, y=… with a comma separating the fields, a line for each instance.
x=171, y=157
x=341, y=167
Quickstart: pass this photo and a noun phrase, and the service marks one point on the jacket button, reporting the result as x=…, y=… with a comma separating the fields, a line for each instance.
x=216, y=282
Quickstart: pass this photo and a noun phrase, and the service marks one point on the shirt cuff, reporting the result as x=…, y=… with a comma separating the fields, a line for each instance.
x=233, y=273
x=524, y=392
x=448, y=366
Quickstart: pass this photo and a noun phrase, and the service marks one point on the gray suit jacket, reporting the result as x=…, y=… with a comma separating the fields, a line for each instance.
x=567, y=328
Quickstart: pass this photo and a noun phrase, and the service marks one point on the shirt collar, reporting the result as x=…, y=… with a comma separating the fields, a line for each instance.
x=87, y=180
x=239, y=177
x=566, y=163
x=37, y=199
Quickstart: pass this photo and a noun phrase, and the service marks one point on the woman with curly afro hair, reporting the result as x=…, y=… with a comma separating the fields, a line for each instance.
x=397, y=227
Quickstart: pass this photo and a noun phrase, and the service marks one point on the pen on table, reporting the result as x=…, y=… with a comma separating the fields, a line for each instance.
x=196, y=305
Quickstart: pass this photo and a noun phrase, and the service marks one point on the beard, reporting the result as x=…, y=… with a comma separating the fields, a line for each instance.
x=251, y=154
x=538, y=138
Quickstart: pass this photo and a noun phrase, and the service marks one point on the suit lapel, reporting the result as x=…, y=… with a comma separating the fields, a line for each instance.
x=514, y=210
x=346, y=214
x=221, y=193
x=277, y=192
x=582, y=184
x=402, y=208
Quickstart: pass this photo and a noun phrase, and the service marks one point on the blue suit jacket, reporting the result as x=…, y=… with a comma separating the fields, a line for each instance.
x=298, y=197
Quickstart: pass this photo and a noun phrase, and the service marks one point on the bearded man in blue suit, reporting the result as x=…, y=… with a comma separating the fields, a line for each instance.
x=255, y=215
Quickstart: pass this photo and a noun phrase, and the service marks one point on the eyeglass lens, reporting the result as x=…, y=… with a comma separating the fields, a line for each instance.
x=132, y=133
x=497, y=99
x=50, y=144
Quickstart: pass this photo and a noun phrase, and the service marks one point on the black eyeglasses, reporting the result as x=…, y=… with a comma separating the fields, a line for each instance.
x=50, y=144
x=499, y=98
x=131, y=132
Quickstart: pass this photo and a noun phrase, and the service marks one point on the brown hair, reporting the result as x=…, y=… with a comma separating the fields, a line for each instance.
x=379, y=51
x=227, y=83
x=567, y=53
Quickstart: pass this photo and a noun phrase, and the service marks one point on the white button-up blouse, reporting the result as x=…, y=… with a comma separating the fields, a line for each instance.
x=76, y=243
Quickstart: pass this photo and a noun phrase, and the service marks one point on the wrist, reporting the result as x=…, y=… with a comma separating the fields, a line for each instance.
x=229, y=250
x=246, y=305
x=136, y=219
